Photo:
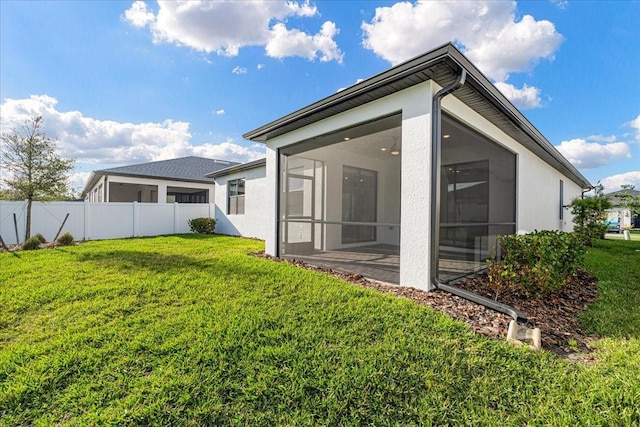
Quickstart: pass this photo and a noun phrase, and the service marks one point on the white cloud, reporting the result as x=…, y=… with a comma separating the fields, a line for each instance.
x=106, y=142
x=343, y=88
x=260, y=66
x=229, y=151
x=587, y=155
x=285, y=42
x=613, y=183
x=635, y=123
x=527, y=97
x=239, y=70
x=486, y=31
x=77, y=180
x=561, y=4
x=219, y=112
x=138, y=15
x=224, y=27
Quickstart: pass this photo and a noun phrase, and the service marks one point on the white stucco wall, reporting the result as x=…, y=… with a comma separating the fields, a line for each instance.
x=257, y=218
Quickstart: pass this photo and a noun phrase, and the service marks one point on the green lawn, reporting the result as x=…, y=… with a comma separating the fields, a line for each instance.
x=191, y=330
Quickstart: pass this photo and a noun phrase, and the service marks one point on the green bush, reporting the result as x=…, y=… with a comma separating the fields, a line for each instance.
x=41, y=238
x=589, y=215
x=66, y=239
x=31, y=243
x=536, y=263
x=202, y=225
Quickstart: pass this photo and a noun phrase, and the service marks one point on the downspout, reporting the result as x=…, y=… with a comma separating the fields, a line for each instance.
x=436, y=163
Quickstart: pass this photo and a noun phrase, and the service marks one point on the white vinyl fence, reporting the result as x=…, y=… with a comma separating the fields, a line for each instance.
x=89, y=221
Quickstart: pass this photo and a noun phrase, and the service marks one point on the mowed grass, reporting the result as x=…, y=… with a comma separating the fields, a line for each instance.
x=192, y=330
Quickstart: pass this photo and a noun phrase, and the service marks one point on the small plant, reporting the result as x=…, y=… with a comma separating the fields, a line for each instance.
x=41, y=238
x=66, y=239
x=31, y=244
x=202, y=225
x=539, y=262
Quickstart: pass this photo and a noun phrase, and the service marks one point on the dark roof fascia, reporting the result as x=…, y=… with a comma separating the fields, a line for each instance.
x=93, y=180
x=238, y=168
x=449, y=57
x=497, y=98
x=264, y=133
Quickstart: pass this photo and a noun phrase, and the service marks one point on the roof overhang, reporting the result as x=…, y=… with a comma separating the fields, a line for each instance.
x=238, y=168
x=97, y=176
x=441, y=65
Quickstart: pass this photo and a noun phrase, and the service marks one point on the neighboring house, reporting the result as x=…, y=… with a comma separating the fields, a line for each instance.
x=620, y=213
x=399, y=180
x=181, y=180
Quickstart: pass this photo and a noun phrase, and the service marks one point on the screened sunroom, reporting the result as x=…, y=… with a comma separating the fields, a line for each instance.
x=340, y=198
x=408, y=177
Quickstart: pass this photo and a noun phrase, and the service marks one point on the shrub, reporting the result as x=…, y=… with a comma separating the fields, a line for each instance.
x=41, y=238
x=537, y=262
x=589, y=215
x=66, y=239
x=202, y=225
x=31, y=243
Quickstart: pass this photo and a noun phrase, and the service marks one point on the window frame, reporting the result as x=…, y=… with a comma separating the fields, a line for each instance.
x=236, y=196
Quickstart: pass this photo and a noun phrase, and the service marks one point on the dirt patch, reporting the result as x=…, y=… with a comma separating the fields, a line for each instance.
x=555, y=314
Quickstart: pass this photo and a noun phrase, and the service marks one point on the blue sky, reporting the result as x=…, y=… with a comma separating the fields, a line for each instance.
x=123, y=82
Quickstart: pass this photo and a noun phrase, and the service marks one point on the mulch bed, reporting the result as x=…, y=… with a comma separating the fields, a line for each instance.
x=556, y=314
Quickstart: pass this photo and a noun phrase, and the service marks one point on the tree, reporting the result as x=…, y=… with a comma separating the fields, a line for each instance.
x=589, y=215
x=33, y=170
x=628, y=200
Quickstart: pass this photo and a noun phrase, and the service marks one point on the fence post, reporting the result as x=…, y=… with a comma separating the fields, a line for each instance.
x=85, y=228
x=135, y=219
x=175, y=217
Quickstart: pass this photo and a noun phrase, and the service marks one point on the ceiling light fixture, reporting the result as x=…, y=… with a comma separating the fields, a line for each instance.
x=395, y=149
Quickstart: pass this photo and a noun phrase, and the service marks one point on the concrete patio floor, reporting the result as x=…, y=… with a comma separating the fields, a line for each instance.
x=381, y=263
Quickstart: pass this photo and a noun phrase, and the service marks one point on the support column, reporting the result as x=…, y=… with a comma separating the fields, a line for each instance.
x=415, y=236
x=162, y=193
x=271, y=207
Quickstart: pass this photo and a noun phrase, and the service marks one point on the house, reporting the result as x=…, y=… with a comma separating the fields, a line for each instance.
x=621, y=213
x=240, y=199
x=181, y=180
x=406, y=177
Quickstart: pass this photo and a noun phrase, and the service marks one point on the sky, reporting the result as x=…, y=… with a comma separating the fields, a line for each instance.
x=126, y=82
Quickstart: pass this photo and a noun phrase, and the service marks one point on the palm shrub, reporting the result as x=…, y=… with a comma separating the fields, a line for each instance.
x=66, y=239
x=31, y=243
x=202, y=225
x=536, y=263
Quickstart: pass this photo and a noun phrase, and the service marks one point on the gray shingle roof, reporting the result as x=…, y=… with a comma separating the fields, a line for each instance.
x=190, y=168
x=617, y=201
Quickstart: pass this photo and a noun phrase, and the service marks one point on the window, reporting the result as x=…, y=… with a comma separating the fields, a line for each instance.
x=235, y=193
x=179, y=197
x=359, y=204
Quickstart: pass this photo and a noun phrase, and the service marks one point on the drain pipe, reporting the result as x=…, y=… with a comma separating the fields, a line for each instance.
x=436, y=163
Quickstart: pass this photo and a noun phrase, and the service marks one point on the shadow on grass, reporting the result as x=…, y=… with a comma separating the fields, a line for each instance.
x=136, y=260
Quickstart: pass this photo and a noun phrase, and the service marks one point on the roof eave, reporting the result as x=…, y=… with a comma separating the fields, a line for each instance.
x=446, y=54
x=238, y=168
